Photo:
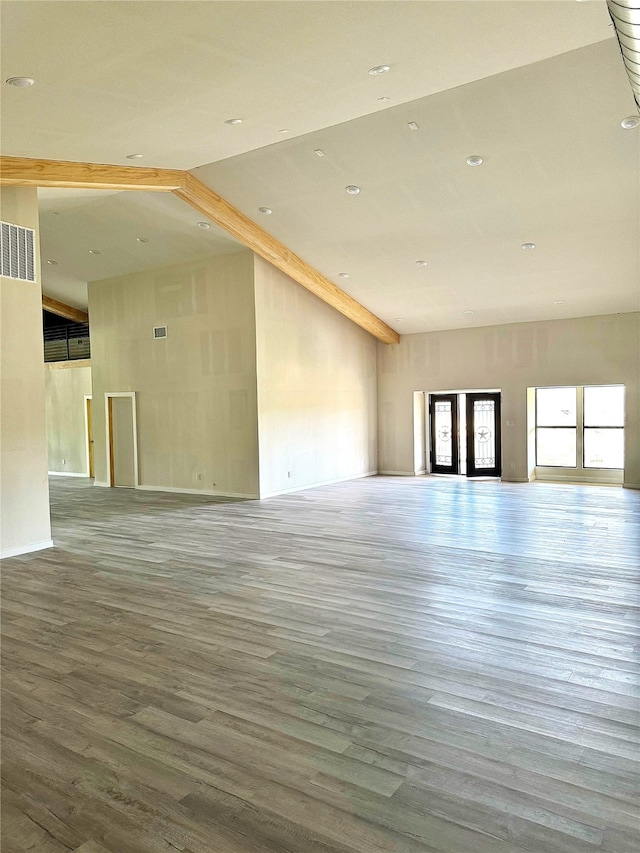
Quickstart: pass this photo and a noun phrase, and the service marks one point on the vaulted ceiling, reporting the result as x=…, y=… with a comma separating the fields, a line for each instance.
x=537, y=89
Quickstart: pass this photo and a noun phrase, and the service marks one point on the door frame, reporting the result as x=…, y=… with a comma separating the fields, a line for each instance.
x=88, y=433
x=108, y=398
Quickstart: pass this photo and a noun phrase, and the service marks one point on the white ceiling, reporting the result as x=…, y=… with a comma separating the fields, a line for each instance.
x=537, y=88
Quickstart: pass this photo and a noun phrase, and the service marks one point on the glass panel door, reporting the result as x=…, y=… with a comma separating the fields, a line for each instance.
x=443, y=410
x=483, y=435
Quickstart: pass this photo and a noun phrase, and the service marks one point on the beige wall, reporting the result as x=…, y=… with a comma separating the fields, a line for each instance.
x=196, y=389
x=24, y=489
x=316, y=388
x=66, y=385
x=589, y=350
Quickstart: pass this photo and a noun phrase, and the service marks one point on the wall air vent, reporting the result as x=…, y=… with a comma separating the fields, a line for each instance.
x=17, y=252
x=159, y=332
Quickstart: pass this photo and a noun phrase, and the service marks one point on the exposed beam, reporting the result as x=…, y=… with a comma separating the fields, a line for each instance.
x=66, y=311
x=26, y=172
x=211, y=205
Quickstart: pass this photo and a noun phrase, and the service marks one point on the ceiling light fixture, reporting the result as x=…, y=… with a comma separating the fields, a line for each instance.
x=398, y=319
x=142, y=240
x=352, y=189
x=95, y=252
x=413, y=125
x=52, y=263
x=204, y=225
x=284, y=130
x=343, y=274
x=384, y=98
x=265, y=210
x=421, y=263
x=233, y=121
x=528, y=246
x=134, y=156
x=559, y=302
x=468, y=313
x=379, y=69
x=474, y=160
x=630, y=122
x=320, y=153
x=20, y=82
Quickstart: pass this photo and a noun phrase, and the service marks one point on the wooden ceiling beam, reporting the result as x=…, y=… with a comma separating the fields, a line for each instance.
x=27, y=172
x=62, y=310
x=215, y=208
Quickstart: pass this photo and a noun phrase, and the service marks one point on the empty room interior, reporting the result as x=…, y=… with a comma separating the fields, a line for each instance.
x=320, y=426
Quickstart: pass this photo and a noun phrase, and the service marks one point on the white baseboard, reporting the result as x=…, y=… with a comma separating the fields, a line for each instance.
x=420, y=473
x=514, y=479
x=101, y=484
x=67, y=474
x=206, y=492
x=399, y=473
x=318, y=485
x=28, y=549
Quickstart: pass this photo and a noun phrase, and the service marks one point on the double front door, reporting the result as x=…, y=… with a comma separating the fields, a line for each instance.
x=465, y=434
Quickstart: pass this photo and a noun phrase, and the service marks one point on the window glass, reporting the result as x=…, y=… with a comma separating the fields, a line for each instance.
x=556, y=447
x=603, y=448
x=556, y=407
x=604, y=405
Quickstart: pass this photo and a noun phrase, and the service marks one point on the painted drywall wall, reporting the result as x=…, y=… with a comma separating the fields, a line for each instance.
x=66, y=385
x=24, y=487
x=316, y=388
x=583, y=351
x=196, y=388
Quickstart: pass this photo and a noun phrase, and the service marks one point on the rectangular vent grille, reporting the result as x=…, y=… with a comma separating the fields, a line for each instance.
x=159, y=331
x=17, y=252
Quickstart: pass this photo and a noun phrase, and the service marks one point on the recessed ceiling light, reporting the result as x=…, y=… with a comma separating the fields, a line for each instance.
x=134, y=156
x=343, y=274
x=528, y=246
x=559, y=302
x=20, y=82
x=95, y=252
x=320, y=153
x=384, y=98
x=142, y=240
x=233, y=121
x=284, y=130
x=203, y=225
x=421, y=263
x=474, y=160
x=398, y=319
x=413, y=125
x=630, y=122
x=379, y=69
x=468, y=313
x=352, y=189
x=265, y=210
x=52, y=263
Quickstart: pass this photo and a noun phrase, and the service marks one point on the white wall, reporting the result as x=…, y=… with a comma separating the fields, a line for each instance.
x=316, y=388
x=584, y=351
x=24, y=488
x=196, y=389
x=66, y=385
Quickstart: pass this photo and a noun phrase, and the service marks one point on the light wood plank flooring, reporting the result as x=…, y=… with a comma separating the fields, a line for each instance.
x=391, y=665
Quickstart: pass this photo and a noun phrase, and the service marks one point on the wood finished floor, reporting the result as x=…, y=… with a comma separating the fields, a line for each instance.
x=391, y=664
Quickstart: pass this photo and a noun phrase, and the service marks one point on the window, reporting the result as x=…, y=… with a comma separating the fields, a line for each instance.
x=603, y=444
x=580, y=422
x=556, y=427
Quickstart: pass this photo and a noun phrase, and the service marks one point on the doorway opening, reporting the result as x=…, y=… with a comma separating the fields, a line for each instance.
x=122, y=443
x=88, y=429
x=464, y=433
